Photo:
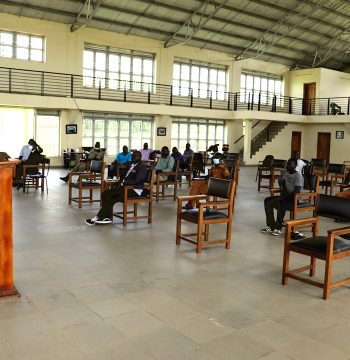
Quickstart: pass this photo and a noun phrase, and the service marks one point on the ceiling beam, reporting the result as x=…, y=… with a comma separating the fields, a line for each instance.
x=85, y=14
x=196, y=21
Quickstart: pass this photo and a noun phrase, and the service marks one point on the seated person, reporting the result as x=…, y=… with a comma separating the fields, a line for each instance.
x=145, y=152
x=300, y=163
x=335, y=109
x=200, y=186
x=213, y=151
x=135, y=176
x=29, y=155
x=165, y=162
x=345, y=194
x=187, y=155
x=291, y=183
x=175, y=153
x=94, y=154
x=123, y=158
x=225, y=149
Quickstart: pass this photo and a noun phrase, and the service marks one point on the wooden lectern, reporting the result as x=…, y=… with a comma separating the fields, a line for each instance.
x=6, y=248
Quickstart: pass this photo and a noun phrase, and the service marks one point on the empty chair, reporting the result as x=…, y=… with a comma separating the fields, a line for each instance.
x=208, y=213
x=334, y=177
x=165, y=179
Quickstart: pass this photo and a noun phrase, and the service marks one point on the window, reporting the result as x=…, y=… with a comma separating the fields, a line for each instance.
x=47, y=132
x=267, y=85
x=205, y=80
x=200, y=133
x=21, y=46
x=118, y=69
x=114, y=131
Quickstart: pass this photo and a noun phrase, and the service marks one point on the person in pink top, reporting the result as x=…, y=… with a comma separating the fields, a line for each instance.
x=145, y=152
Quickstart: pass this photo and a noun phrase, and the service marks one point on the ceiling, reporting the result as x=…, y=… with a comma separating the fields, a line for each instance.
x=296, y=33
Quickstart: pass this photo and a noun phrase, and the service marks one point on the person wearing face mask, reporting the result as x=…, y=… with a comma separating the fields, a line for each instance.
x=29, y=155
x=96, y=153
x=200, y=186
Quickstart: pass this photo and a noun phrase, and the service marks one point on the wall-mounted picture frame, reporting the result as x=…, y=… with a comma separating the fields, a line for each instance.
x=71, y=129
x=339, y=134
x=161, y=131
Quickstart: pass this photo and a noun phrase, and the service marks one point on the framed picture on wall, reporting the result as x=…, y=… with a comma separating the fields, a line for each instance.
x=161, y=131
x=339, y=134
x=71, y=129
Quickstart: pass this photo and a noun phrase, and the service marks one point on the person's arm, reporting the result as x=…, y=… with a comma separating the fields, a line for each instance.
x=100, y=155
x=92, y=154
x=226, y=172
x=39, y=148
x=140, y=176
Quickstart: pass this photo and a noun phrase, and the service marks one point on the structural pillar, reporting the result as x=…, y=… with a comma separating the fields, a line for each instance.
x=6, y=246
x=247, y=132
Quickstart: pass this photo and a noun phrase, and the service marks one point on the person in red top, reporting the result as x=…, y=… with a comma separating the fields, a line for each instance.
x=200, y=186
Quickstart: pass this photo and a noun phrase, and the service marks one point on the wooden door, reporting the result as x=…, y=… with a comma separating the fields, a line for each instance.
x=309, y=99
x=323, y=146
x=296, y=142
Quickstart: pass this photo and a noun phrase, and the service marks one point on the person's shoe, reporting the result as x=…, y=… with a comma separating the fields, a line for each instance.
x=104, y=221
x=296, y=235
x=64, y=178
x=266, y=230
x=91, y=221
x=276, y=232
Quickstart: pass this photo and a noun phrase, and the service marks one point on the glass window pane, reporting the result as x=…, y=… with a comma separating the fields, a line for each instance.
x=112, y=146
x=263, y=84
x=204, y=75
x=36, y=42
x=22, y=53
x=243, y=78
x=112, y=129
x=202, y=132
x=222, y=78
x=36, y=55
x=99, y=128
x=124, y=129
x=176, y=71
x=195, y=73
x=249, y=85
x=271, y=85
x=88, y=77
x=113, y=64
x=48, y=134
x=148, y=67
x=257, y=83
x=213, y=76
x=146, y=130
x=22, y=40
x=183, y=131
x=88, y=59
x=202, y=145
x=125, y=62
x=185, y=72
x=87, y=127
x=137, y=66
x=219, y=133
x=6, y=38
x=6, y=51
x=100, y=60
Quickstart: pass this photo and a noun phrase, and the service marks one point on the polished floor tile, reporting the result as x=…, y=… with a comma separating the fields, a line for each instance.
x=115, y=293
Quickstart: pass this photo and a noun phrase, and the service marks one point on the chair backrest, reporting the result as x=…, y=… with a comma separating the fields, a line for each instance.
x=96, y=166
x=198, y=162
x=267, y=162
x=318, y=162
x=219, y=187
x=333, y=207
x=232, y=156
x=311, y=182
x=279, y=164
x=335, y=169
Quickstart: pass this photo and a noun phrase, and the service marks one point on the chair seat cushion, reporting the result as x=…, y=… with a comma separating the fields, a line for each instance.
x=207, y=214
x=319, y=244
x=86, y=183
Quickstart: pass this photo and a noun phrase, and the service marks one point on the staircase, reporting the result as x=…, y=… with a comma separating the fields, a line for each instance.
x=266, y=135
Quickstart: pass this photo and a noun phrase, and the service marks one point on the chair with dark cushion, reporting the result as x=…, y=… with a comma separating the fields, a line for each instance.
x=165, y=179
x=92, y=180
x=131, y=198
x=208, y=213
x=198, y=164
x=319, y=167
x=335, y=177
x=327, y=248
x=271, y=173
x=32, y=175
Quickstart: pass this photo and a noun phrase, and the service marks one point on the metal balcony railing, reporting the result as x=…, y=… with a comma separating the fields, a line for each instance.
x=44, y=83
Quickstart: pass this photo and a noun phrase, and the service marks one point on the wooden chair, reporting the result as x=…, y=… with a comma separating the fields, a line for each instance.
x=319, y=167
x=204, y=215
x=335, y=177
x=188, y=173
x=165, y=179
x=31, y=176
x=327, y=248
x=33, y=179
x=92, y=180
x=271, y=173
x=264, y=166
x=142, y=199
x=198, y=164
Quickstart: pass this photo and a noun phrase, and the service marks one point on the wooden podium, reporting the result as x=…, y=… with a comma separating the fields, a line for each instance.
x=6, y=248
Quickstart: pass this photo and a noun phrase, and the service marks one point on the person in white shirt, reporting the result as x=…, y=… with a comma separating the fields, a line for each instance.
x=300, y=163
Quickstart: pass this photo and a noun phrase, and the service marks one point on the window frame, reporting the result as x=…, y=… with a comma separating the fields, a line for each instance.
x=197, y=85
x=15, y=47
x=121, y=84
x=48, y=113
x=176, y=140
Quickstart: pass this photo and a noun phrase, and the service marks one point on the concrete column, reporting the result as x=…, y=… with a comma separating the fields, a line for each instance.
x=247, y=140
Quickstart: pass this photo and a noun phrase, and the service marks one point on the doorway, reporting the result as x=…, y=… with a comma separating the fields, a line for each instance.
x=296, y=142
x=309, y=99
x=323, y=146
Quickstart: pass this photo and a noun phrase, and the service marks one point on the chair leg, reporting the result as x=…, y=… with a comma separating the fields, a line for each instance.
x=69, y=195
x=286, y=256
x=47, y=189
x=178, y=230
x=259, y=182
x=125, y=213
x=90, y=196
x=228, y=235
x=135, y=209
x=80, y=197
x=313, y=266
x=199, y=236
x=163, y=191
x=150, y=212
x=327, y=276
x=157, y=193
x=206, y=232
x=175, y=191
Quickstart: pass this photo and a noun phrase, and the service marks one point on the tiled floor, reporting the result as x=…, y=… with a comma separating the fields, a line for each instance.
x=104, y=292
